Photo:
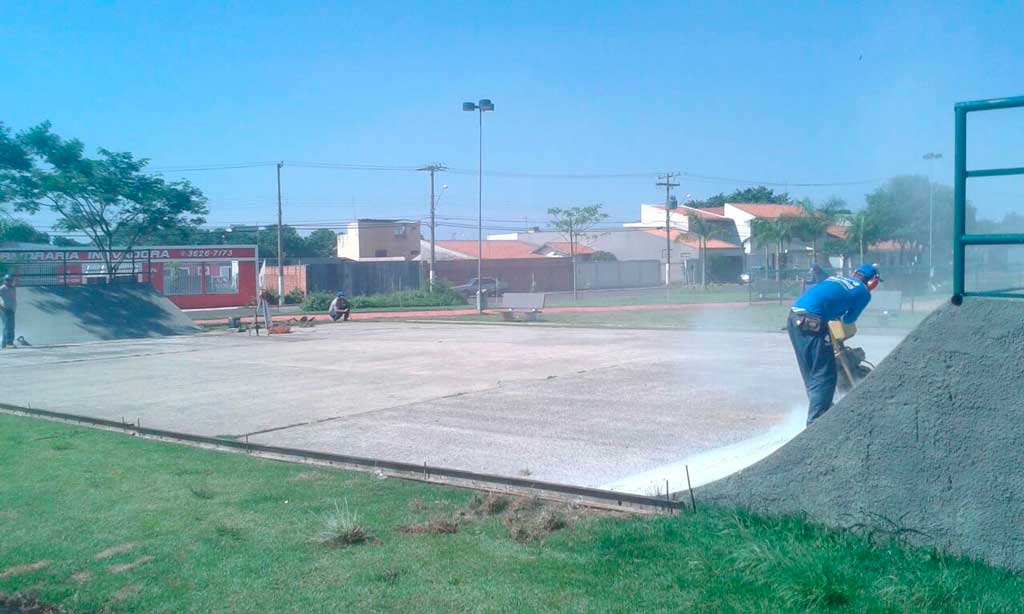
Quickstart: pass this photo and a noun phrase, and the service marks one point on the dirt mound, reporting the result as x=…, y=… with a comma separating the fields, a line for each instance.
x=928, y=448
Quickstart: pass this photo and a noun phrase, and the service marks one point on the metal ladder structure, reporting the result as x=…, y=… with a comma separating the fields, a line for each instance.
x=961, y=239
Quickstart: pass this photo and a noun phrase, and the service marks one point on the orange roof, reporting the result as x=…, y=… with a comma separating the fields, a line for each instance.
x=493, y=249
x=563, y=246
x=771, y=210
x=715, y=210
x=839, y=232
x=887, y=246
x=691, y=240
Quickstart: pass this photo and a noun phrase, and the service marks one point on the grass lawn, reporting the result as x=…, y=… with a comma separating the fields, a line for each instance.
x=98, y=521
x=756, y=317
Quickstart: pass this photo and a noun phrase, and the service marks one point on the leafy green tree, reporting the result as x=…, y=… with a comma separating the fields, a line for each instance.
x=322, y=243
x=575, y=223
x=759, y=194
x=109, y=198
x=20, y=231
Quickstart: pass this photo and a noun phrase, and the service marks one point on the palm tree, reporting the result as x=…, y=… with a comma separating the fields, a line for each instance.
x=780, y=231
x=815, y=224
x=705, y=231
x=861, y=231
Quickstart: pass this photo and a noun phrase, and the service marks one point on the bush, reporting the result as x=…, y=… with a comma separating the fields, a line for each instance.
x=442, y=296
x=295, y=297
x=317, y=301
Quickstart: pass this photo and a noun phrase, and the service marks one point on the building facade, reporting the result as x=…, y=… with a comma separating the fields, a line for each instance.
x=372, y=239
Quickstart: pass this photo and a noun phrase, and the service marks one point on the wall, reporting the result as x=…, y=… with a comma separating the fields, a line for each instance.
x=521, y=275
x=366, y=237
x=621, y=274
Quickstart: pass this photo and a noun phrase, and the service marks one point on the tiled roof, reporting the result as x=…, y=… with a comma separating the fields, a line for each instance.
x=691, y=240
x=493, y=249
x=770, y=210
x=839, y=232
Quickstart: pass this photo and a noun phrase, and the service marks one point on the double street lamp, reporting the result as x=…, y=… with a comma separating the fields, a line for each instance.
x=481, y=106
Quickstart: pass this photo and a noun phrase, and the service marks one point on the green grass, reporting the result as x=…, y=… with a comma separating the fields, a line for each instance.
x=217, y=532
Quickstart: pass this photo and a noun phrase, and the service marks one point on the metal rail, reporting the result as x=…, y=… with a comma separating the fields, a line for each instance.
x=961, y=239
x=425, y=473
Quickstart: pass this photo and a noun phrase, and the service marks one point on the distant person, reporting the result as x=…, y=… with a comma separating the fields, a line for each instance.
x=814, y=275
x=836, y=298
x=340, y=307
x=8, y=305
x=264, y=309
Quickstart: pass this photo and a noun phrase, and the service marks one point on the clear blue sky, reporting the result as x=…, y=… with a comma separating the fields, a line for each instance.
x=799, y=93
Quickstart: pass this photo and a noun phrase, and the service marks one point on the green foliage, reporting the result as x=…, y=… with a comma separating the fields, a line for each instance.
x=295, y=297
x=576, y=222
x=759, y=194
x=317, y=302
x=111, y=198
x=321, y=243
x=442, y=296
x=20, y=231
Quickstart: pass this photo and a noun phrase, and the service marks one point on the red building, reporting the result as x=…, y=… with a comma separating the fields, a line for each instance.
x=192, y=277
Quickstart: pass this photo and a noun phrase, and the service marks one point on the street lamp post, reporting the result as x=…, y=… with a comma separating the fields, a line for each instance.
x=481, y=106
x=931, y=157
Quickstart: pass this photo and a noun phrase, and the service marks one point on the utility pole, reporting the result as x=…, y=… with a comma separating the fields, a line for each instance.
x=280, y=248
x=432, y=168
x=666, y=181
x=931, y=157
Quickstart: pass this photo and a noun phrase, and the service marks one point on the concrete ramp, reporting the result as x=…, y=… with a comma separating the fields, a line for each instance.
x=57, y=315
x=930, y=447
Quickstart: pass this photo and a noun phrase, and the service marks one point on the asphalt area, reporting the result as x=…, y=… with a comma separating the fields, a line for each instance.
x=597, y=407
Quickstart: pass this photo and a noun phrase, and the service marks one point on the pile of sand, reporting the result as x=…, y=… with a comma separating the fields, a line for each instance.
x=930, y=447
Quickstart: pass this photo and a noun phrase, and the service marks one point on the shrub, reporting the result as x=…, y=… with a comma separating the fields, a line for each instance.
x=441, y=296
x=295, y=297
x=342, y=528
x=317, y=301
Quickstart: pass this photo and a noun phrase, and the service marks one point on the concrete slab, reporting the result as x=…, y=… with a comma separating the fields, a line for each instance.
x=575, y=405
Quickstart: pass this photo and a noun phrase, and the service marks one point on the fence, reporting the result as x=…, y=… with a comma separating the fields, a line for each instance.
x=788, y=284
x=961, y=239
x=352, y=277
x=605, y=274
x=74, y=267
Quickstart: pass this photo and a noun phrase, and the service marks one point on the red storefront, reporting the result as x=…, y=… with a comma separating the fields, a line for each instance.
x=192, y=277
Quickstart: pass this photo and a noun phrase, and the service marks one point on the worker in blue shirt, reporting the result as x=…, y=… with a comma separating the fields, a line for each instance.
x=836, y=298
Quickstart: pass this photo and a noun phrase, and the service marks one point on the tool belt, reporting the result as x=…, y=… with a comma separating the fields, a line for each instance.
x=808, y=322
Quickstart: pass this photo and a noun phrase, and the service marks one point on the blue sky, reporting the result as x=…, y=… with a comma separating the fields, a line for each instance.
x=797, y=93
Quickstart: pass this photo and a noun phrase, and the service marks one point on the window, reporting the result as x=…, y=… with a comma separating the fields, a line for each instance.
x=222, y=278
x=380, y=253
x=400, y=231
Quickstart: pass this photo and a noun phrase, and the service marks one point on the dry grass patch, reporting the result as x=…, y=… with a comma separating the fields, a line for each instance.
x=20, y=570
x=114, y=550
x=139, y=562
x=489, y=504
x=434, y=526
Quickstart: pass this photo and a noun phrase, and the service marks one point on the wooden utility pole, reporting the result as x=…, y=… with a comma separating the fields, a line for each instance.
x=433, y=168
x=666, y=181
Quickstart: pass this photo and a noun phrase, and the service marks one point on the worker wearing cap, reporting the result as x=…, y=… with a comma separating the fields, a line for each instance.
x=840, y=298
x=340, y=307
x=8, y=305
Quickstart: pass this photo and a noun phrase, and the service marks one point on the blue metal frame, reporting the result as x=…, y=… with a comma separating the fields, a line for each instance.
x=960, y=237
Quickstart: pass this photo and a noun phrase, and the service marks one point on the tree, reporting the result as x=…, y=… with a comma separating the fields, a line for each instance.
x=705, y=231
x=574, y=223
x=815, y=225
x=322, y=243
x=109, y=198
x=778, y=231
x=759, y=194
x=20, y=231
x=862, y=231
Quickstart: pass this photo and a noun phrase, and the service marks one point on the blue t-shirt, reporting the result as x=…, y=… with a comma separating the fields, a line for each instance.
x=836, y=298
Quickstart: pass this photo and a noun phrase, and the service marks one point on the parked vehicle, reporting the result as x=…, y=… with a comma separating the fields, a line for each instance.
x=489, y=285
